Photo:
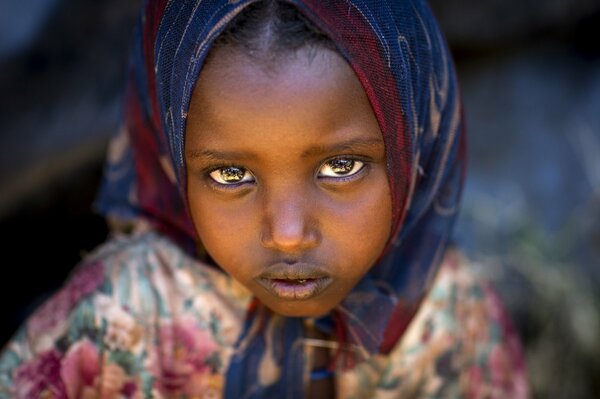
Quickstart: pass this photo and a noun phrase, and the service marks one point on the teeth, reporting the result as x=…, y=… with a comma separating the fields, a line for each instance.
x=302, y=281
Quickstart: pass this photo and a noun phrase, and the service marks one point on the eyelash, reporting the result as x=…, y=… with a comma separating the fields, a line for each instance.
x=345, y=178
x=332, y=179
x=225, y=186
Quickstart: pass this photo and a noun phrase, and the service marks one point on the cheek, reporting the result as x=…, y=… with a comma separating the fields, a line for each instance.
x=361, y=226
x=226, y=232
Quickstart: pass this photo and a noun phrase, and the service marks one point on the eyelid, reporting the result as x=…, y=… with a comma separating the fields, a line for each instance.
x=224, y=185
x=347, y=177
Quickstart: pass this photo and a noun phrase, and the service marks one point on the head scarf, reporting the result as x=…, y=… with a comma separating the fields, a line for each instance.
x=402, y=61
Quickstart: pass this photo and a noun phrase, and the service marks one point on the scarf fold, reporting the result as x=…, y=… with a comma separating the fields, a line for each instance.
x=402, y=61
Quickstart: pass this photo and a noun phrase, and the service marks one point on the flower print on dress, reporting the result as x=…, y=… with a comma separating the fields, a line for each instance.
x=506, y=357
x=87, y=374
x=54, y=312
x=80, y=367
x=122, y=331
x=83, y=371
x=40, y=377
x=187, y=361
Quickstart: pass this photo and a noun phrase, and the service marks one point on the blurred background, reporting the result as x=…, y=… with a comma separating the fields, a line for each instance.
x=530, y=75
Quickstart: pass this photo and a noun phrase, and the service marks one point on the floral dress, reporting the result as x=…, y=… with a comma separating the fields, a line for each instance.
x=141, y=319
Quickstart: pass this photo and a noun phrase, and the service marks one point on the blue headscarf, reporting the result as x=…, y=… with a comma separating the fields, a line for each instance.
x=403, y=63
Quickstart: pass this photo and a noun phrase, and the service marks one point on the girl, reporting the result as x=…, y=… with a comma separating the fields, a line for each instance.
x=285, y=188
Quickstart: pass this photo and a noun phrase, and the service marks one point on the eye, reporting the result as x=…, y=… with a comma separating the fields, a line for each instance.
x=231, y=175
x=341, y=167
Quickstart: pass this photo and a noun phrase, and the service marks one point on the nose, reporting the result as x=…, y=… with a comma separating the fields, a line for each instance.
x=289, y=224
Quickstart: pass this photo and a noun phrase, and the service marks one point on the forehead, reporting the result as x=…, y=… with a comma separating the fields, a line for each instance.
x=305, y=94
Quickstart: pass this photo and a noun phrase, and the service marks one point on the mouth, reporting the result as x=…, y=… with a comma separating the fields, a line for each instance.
x=294, y=282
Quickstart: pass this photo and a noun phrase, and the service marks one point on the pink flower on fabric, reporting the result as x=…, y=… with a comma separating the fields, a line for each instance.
x=40, y=377
x=184, y=349
x=80, y=367
x=86, y=376
x=505, y=376
x=57, y=308
x=78, y=374
x=507, y=361
x=475, y=383
x=500, y=367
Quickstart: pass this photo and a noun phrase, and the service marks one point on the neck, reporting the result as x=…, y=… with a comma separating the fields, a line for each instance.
x=322, y=383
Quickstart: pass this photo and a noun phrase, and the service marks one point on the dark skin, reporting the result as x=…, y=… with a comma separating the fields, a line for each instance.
x=286, y=179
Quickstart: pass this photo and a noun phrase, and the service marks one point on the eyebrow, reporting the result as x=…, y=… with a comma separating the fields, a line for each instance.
x=218, y=156
x=348, y=145
x=206, y=155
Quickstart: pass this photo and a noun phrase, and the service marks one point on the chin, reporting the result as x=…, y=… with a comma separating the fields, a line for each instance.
x=300, y=309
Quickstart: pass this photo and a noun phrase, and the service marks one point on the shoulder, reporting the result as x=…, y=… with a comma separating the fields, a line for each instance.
x=112, y=274
x=145, y=276
x=153, y=277
x=129, y=300
x=461, y=342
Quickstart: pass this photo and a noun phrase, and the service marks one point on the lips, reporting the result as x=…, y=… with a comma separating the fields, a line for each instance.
x=295, y=281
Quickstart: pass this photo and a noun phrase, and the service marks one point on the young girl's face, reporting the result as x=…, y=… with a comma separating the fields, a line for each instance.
x=287, y=182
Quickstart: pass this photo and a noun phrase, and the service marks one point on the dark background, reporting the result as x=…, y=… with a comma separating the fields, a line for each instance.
x=530, y=75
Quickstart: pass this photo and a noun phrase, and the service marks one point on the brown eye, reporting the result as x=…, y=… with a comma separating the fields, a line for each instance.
x=231, y=175
x=340, y=167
